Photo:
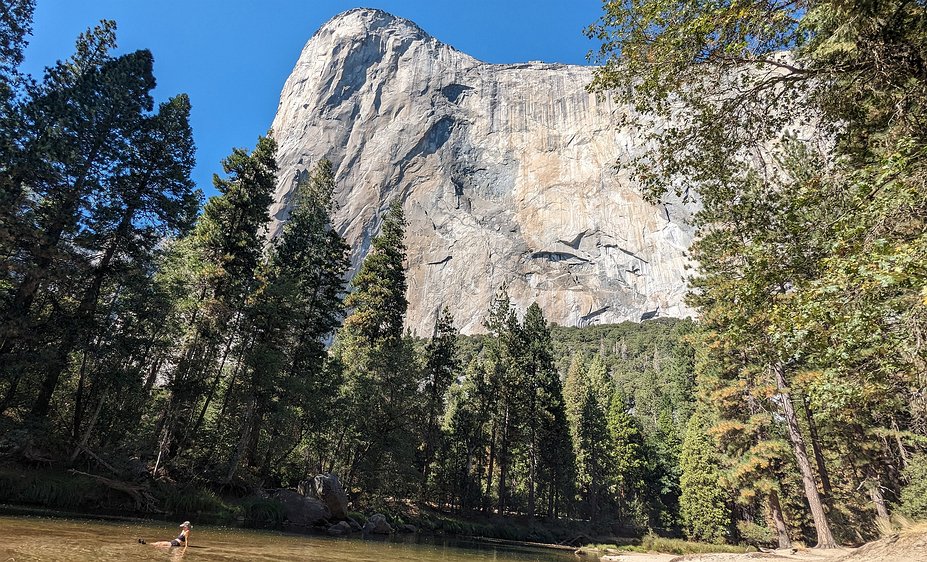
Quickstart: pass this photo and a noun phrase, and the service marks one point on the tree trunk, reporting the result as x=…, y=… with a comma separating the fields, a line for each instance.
x=824, y=536
x=532, y=471
x=215, y=383
x=82, y=328
x=89, y=431
x=243, y=443
x=816, y=448
x=492, y=457
x=901, y=450
x=254, y=436
x=875, y=493
x=552, y=496
x=775, y=513
x=503, y=461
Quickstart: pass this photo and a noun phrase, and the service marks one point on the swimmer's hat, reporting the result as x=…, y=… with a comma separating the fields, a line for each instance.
x=186, y=524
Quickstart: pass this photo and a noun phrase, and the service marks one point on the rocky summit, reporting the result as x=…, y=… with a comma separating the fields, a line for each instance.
x=509, y=174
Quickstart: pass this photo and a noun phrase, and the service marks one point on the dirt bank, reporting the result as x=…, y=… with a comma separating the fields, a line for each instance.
x=902, y=547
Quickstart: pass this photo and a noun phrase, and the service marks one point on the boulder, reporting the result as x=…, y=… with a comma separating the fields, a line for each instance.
x=355, y=526
x=328, y=489
x=378, y=525
x=299, y=510
x=408, y=529
x=340, y=528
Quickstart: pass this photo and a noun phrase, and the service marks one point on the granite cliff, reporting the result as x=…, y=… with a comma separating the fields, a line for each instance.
x=507, y=174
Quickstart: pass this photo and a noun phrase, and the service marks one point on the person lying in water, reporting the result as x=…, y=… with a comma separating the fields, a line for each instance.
x=183, y=539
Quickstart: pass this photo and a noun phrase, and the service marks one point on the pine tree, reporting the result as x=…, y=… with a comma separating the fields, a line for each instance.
x=151, y=200
x=79, y=124
x=591, y=443
x=467, y=427
x=287, y=320
x=215, y=274
x=441, y=365
x=506, y=364
x=550, y=456
x=15, y=27
x=626, y=454
x=704, y=503
x=380, y=372
x=378, y=299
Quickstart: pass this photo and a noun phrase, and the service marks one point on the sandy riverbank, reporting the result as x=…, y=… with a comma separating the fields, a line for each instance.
x=902, y=547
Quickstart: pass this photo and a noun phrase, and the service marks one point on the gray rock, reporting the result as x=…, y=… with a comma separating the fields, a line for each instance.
x=301, y=511
x=355, y=526
x=507, y=174
x=408, y=529
x=378, y=525
x=328, y=489
x=340, y=528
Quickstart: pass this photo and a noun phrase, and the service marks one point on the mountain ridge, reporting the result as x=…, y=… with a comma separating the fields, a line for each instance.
x=507, y=173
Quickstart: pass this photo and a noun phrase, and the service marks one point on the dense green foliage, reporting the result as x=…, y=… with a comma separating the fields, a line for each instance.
x=627, y=396
x=799, y=130
x=914, y=495
x=704, y=505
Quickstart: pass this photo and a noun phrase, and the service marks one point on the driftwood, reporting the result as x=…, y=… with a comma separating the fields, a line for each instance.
x=525, y=543
x=578, y=540
x=91, y=454
x=143, y=499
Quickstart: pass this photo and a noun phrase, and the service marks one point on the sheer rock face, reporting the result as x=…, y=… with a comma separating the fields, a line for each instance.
x=506, y=172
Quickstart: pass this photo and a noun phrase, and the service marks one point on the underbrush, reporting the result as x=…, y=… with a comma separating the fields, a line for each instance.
x=204, y=504
x=476, y=525
x=262, y=513
x=899, y=524
x=53, y=490
x=654, y=543
x=75, y=493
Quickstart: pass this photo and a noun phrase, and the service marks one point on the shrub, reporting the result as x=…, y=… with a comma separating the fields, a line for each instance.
x=263, y=513
x=756, y=534
x=679, y=546
x=914, y=494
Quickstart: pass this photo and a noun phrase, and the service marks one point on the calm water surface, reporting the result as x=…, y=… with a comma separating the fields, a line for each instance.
x=36, y=538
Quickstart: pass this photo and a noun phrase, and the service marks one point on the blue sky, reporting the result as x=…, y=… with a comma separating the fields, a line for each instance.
x=233, y=56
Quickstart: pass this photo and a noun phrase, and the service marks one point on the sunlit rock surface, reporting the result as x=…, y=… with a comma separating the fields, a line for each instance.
x=506, y=172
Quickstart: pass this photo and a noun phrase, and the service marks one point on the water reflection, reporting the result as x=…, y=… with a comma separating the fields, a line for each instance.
x=54, y=540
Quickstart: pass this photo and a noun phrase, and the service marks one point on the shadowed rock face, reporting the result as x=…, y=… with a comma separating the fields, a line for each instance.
x=507, y=175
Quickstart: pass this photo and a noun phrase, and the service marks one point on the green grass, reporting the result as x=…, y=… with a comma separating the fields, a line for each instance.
x=53, y=490
x=656, y=543
x=57, y=490
x=358, y=516
x=262, y=513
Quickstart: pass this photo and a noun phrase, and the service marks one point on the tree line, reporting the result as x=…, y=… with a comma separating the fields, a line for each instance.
x=142, y=328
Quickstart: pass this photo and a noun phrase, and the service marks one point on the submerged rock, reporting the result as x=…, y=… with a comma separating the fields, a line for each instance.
x=378, y=525
x=340, y=528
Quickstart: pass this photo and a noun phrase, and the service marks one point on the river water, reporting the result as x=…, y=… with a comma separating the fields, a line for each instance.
x=36, y=538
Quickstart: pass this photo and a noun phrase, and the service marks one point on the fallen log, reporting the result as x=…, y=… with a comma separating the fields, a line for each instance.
x=143, y=499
